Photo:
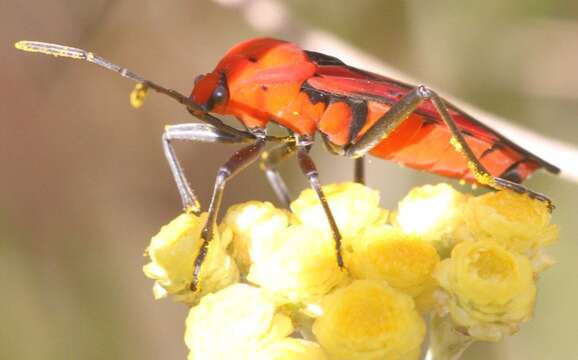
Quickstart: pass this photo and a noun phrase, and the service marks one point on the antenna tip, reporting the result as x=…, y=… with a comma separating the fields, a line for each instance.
x=21, y=45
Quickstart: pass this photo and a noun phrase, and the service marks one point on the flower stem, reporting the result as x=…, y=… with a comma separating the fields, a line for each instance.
x=446, y=343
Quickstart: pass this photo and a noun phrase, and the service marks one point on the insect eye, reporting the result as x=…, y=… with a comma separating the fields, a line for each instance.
x=220, y=94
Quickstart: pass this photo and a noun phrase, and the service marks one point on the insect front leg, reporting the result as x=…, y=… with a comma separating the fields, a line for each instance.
x=190, y=132
x=269, y=162
x=239, y=161
x=310, y=171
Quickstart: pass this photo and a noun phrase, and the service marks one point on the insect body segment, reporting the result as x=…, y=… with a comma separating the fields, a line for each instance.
x=356, y=112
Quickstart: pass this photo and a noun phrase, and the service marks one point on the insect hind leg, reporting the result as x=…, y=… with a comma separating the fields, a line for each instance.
x=481, y=174
x=401, y=110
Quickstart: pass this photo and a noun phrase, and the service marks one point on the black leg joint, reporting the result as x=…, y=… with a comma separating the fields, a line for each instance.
x=223, y=175
x=423, y=92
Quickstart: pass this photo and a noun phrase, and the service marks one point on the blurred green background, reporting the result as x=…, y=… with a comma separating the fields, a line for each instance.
x=84, y=183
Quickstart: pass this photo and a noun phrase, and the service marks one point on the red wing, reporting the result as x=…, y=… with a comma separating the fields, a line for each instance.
x=422, y=141
x=359, y=84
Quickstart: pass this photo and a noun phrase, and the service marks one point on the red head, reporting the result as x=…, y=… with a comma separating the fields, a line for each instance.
x=250, y=77
x=211, y=91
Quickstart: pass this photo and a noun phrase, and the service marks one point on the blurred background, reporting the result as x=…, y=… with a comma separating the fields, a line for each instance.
x=84, y=184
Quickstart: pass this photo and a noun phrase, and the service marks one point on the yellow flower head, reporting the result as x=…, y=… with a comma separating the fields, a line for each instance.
x=369, y=320
x=515, y=221
x=291, y=349
x=172, y=252
x=235, y=323
x=435, y=213
x=299, y=263
x=254, y=224
x=353, y=205
x=386, y=253
x=490, y=289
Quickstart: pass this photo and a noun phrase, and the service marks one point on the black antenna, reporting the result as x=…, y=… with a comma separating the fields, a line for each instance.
x=139, y=93
x=74, y=53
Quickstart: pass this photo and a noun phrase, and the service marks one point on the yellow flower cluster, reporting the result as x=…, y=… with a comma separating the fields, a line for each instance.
x=472, y=259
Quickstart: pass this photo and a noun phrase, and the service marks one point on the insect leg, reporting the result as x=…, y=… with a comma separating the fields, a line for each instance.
x=239, y=161
x=481, y=174
x=359, y=171
x=190, y=132
x=310, y=171
x=269, y=162
x=403, y=108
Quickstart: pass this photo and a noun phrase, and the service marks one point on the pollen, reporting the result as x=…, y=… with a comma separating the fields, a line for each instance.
x=138, y=95
x=481, y=176
x=456, y=144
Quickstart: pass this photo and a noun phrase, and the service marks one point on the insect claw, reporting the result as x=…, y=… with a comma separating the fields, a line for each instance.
x=194, y=208
x=509, y=185
x=194, y=287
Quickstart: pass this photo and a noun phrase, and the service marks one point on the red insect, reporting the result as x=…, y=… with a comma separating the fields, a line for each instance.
x=355, y=112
